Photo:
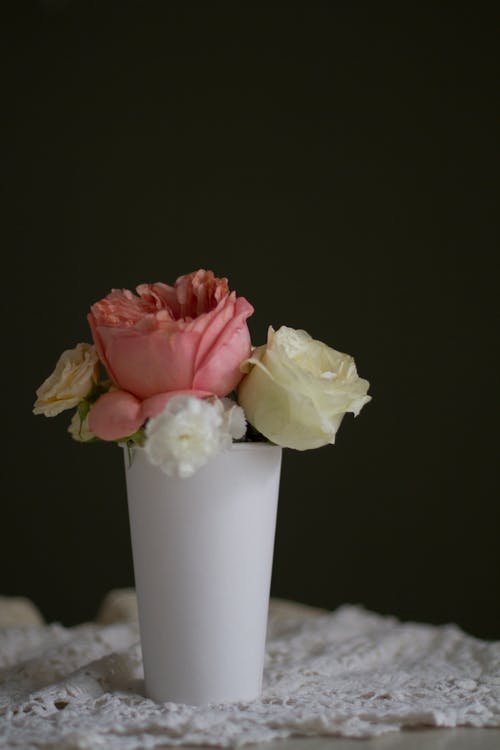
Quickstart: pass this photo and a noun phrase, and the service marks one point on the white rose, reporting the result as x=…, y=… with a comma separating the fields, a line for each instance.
x=76, y=371
x=189, y=431
x=79, y=429
x=297, y=389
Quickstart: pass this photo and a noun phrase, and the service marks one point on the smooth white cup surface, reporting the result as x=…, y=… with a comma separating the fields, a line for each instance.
x=203, y=550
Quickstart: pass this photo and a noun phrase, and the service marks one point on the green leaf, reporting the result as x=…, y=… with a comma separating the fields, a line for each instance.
x=137, y=438
x=83, y=409
x=131, y=442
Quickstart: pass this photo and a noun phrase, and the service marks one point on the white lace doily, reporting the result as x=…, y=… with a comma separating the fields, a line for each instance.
x=350, y=673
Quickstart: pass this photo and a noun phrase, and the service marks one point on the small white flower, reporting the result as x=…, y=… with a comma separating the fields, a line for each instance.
x=79, y=429
x=234, y=418
x=188, y=432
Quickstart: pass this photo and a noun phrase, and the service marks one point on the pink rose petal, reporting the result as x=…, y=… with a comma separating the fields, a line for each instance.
x=191, y=338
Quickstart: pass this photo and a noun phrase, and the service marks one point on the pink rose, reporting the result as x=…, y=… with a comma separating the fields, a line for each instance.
x=187, y=339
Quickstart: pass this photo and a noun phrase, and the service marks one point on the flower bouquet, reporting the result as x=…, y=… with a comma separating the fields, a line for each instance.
x=172, y=377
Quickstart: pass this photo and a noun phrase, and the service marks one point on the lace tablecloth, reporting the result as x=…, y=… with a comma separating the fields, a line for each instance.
x=350, y=672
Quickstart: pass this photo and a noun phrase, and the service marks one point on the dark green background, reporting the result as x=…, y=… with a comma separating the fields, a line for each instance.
x=337, y=163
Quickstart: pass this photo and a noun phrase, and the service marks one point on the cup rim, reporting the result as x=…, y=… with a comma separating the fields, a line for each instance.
x=235, y=445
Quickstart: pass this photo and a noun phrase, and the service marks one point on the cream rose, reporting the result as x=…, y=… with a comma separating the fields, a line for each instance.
x=297, y=389
x=75, y=373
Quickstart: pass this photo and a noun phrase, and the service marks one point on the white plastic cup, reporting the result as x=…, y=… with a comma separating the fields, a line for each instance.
x=203, y=551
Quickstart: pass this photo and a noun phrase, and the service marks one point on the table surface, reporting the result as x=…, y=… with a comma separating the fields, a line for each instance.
x=417, y=739
x=420, y=738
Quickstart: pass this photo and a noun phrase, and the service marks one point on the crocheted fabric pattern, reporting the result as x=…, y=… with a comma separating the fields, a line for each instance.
x=351, y=673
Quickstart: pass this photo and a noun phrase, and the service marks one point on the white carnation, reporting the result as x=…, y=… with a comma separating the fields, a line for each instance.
x=187, y=433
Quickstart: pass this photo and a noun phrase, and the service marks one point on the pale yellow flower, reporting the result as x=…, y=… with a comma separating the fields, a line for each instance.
x=297, y=389
x=75, y=373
